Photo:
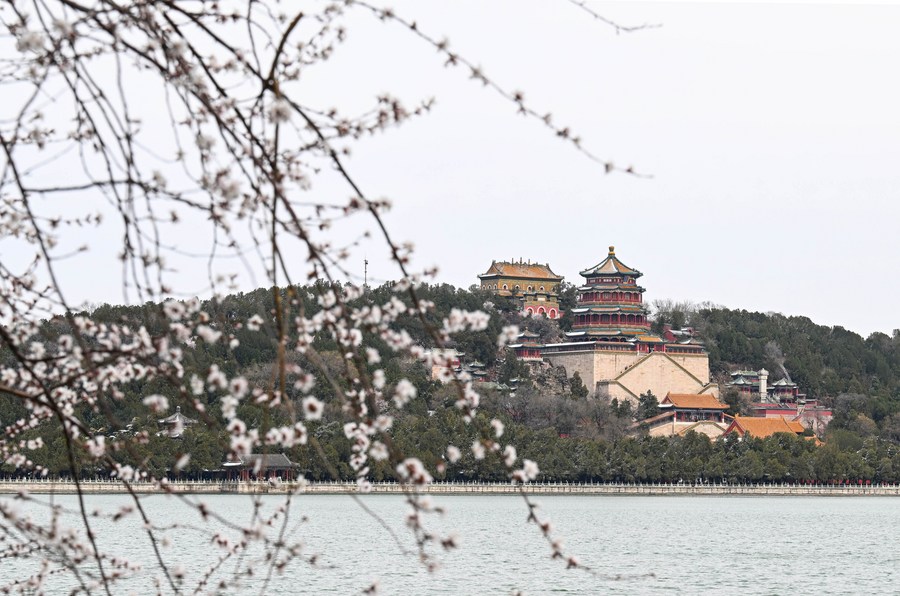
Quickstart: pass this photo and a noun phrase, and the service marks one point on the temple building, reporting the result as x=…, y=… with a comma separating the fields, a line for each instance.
x=781, y=399
x=756, y=384
x=763, y=427
x=611, y=345
x=682, y=413
x=533, y=284
x=528, y=347
x=173, y=426
x=447, y=363
x=260, y=466
x=611, y=305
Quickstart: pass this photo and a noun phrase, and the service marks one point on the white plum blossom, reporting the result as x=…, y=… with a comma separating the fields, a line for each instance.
x=507, y=335
x=300, y=434
x=159, y=179
x=312, y=408
x=174, y=310
x=383, y=423
x=280, y=111
x=378, y=451
x=205, y=142
x=216, y=377
x=478, y=450
x=96, y=446
x=460, y=320
x=254, y=323
x=287, y=436
x=30, y=41
x=208, y=334
x=305, y=383
x=183, y=461
x=530, y=468
x=528, y=472
x=241, y=445
x=404, y=392
x=125, y=472
x=238, y=387
x=327, y=299
x=378, y=379
x=229, y=188
x=157, y=403
x=498, y=427
x=411, y=470
x=372, y=355
x=469, y=400
x=63, y=27
x=453, y=454
x=509, y=456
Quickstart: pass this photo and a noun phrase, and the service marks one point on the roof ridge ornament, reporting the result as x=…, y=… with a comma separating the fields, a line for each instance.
x=612, y=251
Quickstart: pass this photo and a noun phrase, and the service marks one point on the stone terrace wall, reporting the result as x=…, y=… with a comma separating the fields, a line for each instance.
x=47, y=487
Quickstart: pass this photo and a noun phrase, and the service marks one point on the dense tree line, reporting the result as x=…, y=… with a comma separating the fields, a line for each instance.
x=577, y=457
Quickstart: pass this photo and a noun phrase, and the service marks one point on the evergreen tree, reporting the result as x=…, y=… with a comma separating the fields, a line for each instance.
x=576, y=387
x=648, y=406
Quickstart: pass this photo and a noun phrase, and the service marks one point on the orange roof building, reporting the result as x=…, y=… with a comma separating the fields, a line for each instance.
x=685, y=412
x=763, y=427
x=534, y=284
x=691, y=402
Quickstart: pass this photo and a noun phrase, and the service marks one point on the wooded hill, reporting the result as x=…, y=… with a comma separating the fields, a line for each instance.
x=859, y=378
x=572, y=436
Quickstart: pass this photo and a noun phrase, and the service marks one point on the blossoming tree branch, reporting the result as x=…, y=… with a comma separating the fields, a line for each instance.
x=149, y=120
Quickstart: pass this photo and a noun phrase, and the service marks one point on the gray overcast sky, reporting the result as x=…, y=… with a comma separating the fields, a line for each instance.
x=771, y=133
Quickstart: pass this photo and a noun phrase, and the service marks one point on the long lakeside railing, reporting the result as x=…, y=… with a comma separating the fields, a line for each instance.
x=47, y=486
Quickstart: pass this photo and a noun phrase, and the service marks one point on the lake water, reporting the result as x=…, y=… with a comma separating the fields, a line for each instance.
x=690, y=544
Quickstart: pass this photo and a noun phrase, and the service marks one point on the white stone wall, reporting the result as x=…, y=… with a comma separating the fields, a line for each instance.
x=711, y=429
x=696, y=364
x=625, y=375
x=580, y=362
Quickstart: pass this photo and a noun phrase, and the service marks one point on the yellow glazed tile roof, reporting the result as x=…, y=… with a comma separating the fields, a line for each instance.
x=703, y=401
x=528, y=270
x=766, y=427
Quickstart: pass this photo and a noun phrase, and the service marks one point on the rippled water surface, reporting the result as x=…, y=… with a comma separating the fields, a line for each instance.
x=752, y=545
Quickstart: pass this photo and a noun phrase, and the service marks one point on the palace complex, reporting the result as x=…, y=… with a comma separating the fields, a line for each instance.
x=611, y=346
x=781, y=399
x=533, y=284
x=613, y=350
x=756, y=383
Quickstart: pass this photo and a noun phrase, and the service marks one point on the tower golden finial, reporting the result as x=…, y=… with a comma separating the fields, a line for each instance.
x=612, y=250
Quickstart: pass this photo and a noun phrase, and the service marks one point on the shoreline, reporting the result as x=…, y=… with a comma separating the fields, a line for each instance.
x=13, y=487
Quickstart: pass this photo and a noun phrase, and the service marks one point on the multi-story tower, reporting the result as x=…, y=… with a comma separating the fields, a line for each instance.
x=611, y=346
x=611, y=304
